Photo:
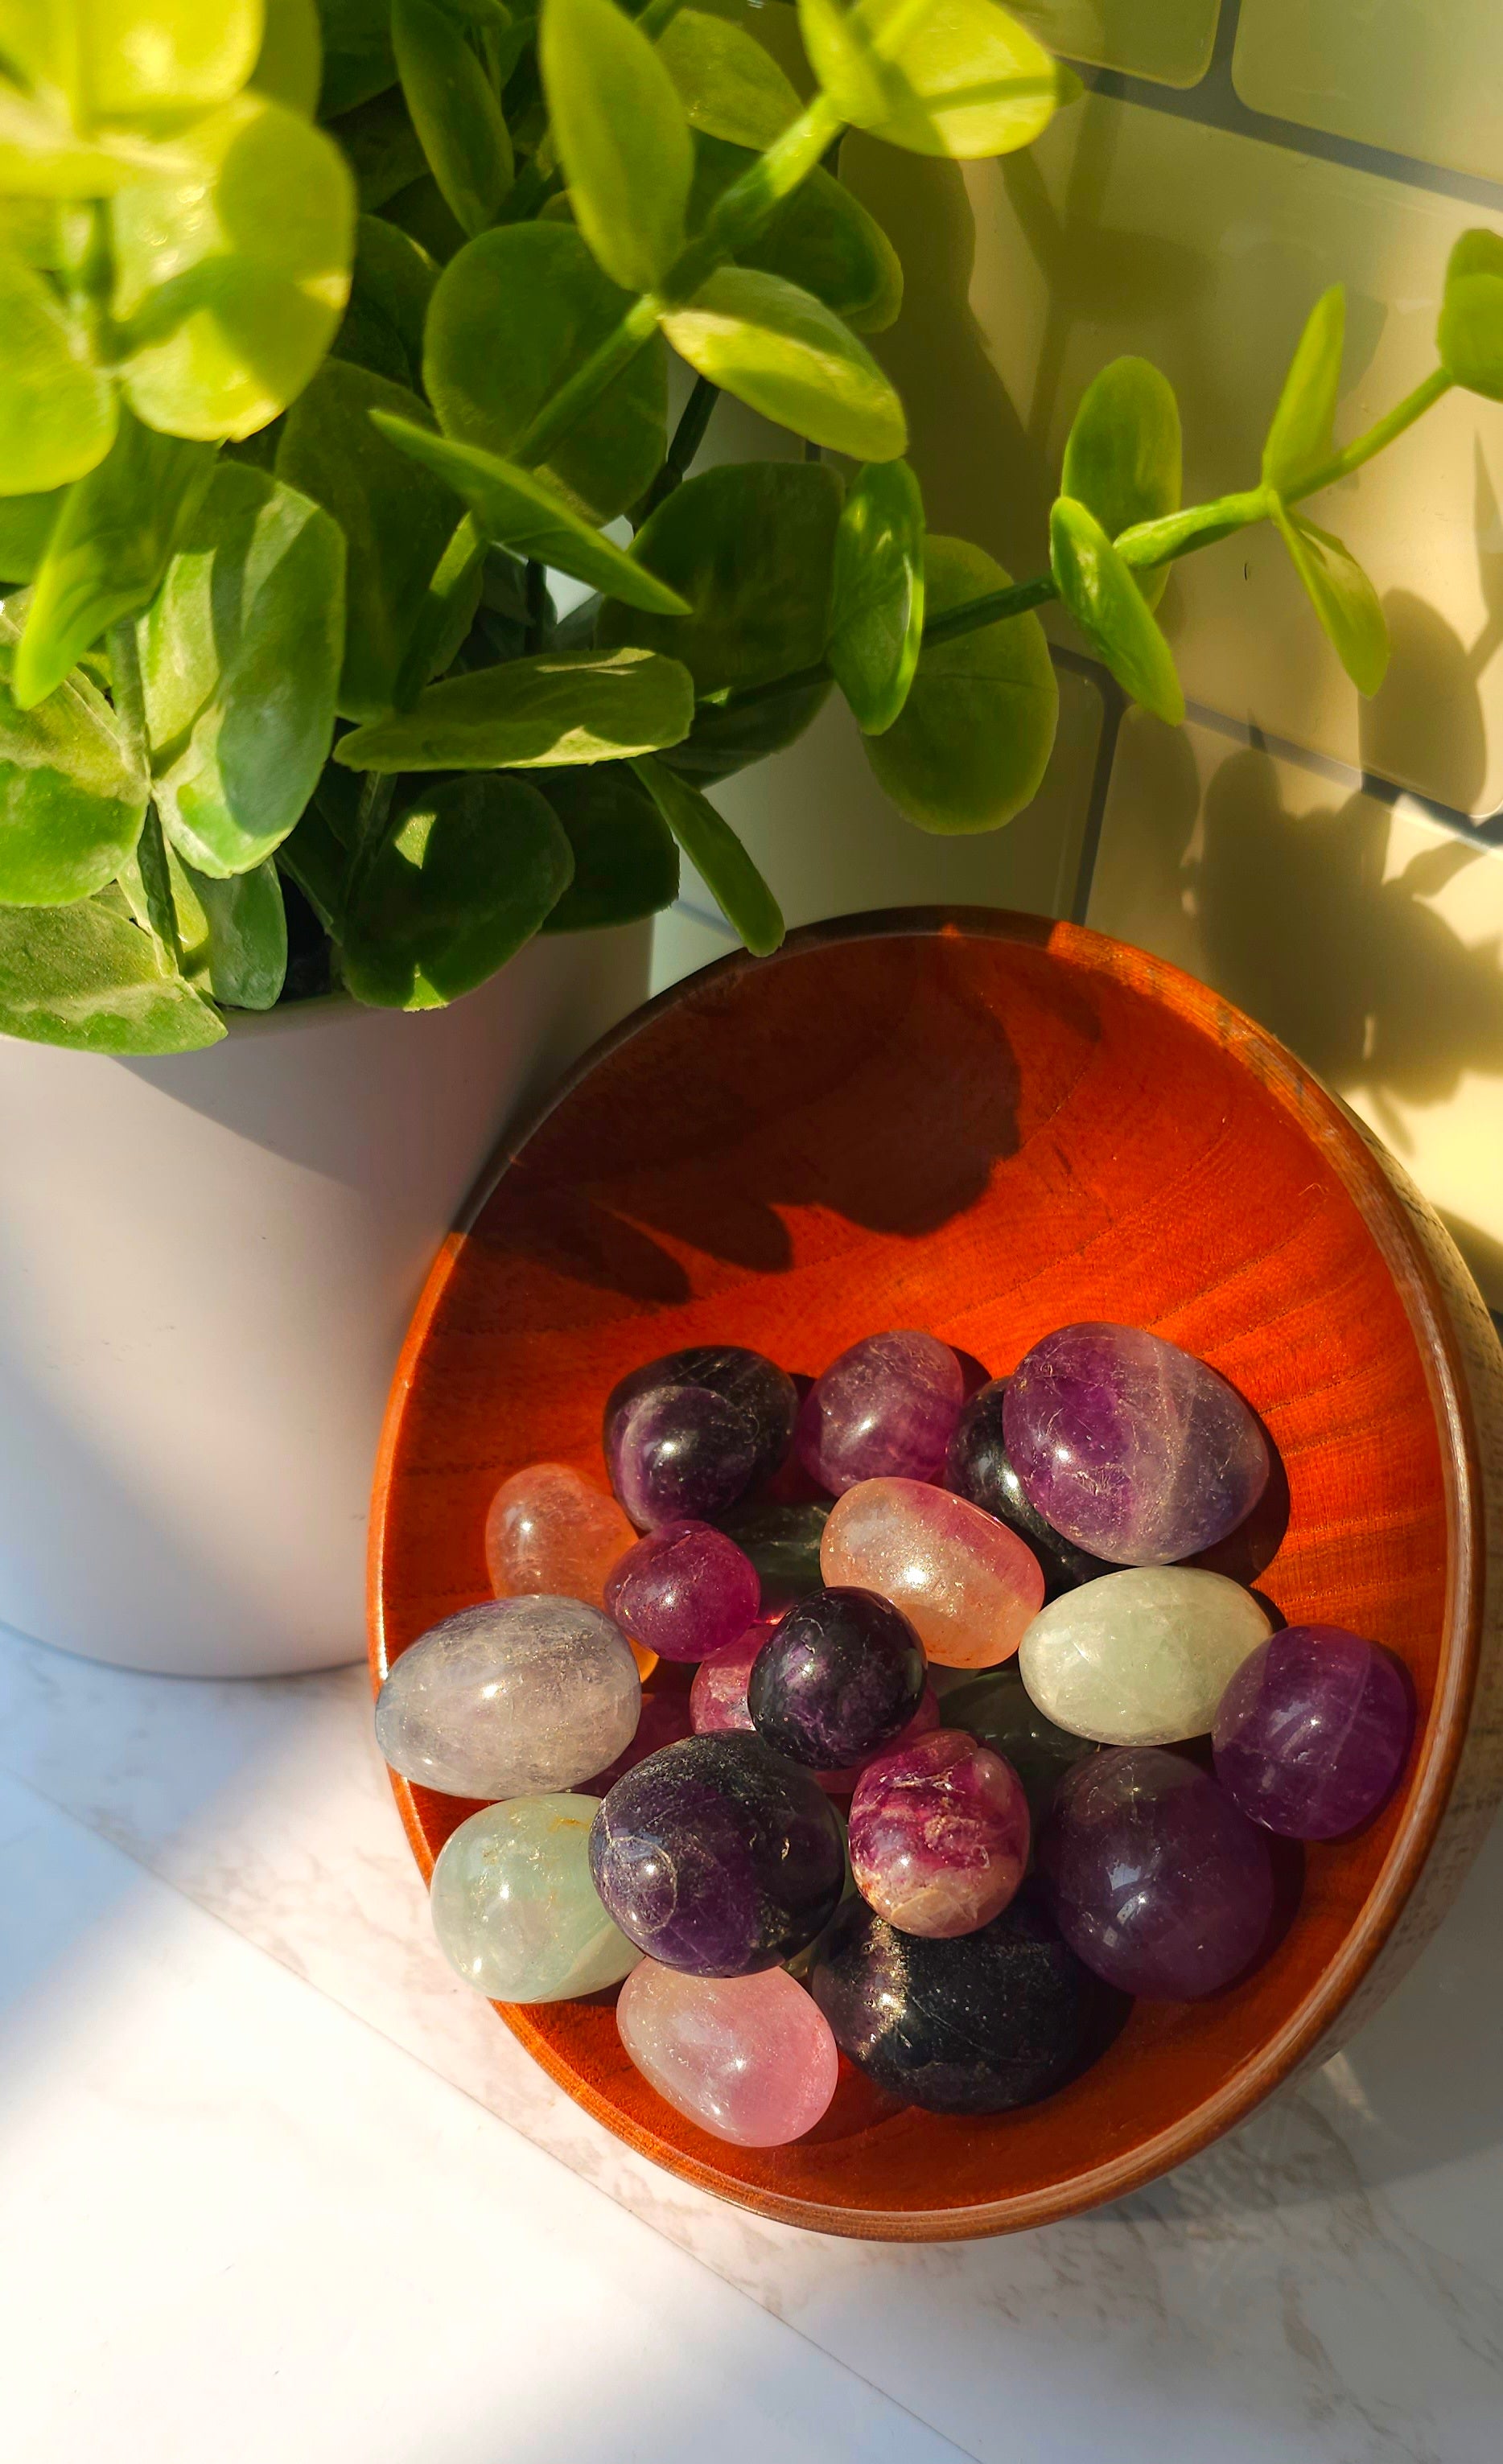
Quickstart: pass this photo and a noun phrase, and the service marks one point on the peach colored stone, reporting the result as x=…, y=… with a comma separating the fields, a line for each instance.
x=968, y=1584
x=749, y=2058
x=550, y=1529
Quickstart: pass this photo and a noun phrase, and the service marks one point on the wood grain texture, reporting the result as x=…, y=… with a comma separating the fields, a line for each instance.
x=989, y=1125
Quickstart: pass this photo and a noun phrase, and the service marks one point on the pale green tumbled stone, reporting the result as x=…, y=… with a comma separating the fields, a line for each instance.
x=1141, y=1658
x=515, y=1908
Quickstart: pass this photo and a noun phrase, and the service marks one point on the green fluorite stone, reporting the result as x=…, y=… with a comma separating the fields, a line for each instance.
x=514, y=1908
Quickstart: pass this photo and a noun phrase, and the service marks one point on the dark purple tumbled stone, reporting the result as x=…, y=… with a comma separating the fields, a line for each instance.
x=680, y=1454
x=1129, y=1447
x=1157, y=1880
x=1311, y=1731
x=761, y=1404
x=977, y=1466
x=684, y=1592
x=886, y=1409
x=839, y=1678
x=718, y=1856
x=976, y=2024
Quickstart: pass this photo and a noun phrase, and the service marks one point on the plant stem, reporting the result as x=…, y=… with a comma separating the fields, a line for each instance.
x=1374, y=439
x=536, y=593
x=688, y=437
x=454, y=572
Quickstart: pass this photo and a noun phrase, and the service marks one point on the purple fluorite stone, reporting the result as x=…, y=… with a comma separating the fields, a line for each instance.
x=718, y=1856
x=939, y=1834
x=1311, y=1731
x=1130, y=1447
x=979, y=1467
x=685, y=1591
x=837, y=1680
x=1157, y=1880
x=886, y=1409
x=692, y=1458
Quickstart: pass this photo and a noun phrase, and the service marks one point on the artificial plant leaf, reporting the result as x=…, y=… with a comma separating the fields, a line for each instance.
x=788, y=356
x=1101, y=593
x=397, y=276
x=455, y=111
x=108, y=550
x=1123, y=457
x=397, y=520
x=229, y=284
x=877, y=602
x=242, y=957
x=26, y=525
x=622, y=136
x=564, y=706
x=750, y=547
x=728, y=736
x=289, y=66
x=56, y=409
x=1469, y=337
x=970, y=746
x=148, y=63
x=729, y=84
x=1300, y=438
x=384, y=150
x=84, y=977
x=964, y=80
x=1342, y=597
x=239, y=657
x=820, y=237
x=513, y=508
x=717, y=857
x=358, y=61
x=72, y=791
x=513, y=314
x=466, y=875
x=625, y=857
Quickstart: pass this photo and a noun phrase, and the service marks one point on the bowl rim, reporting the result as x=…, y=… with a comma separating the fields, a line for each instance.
x=1392, y=1216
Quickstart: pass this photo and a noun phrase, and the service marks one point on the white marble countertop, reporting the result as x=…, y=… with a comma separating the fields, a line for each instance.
x=276, y=2185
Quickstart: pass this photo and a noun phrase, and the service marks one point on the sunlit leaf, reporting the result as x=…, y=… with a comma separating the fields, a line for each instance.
x=1101, y=593
x=466, y=877
x=784, y=352
x=57, y=410
x=41, y=157
x=820, y=237
x=964, y=79
x=242, y=958
x=560, y=707
x=626, y=858
x=622, y=136
x=729, y=85
x=150, y=63
x=1342, y=597
x=455, y=111
x=1299, y=439
x=1470, y=334
x=876, y=609
x=1123, y=455
x=719, y=858
x=72, y=791
x=290, y=66
x=84, y=977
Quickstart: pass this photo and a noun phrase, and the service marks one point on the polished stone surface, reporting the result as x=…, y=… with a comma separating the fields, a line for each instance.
x=749, y=2058
x=516, y=1698
x=666, y=1717
x=1312, y=1731
x=938, y=1837
x=978, y=1467
x=1143, y=1657
x=719, y=1856
x=717, y=1695
x=968, y=1585
x=885, y=1408
x=690, y=1460
x=998, y=1710
x=1155, y=1878
x=515, y=1908
x=1131, y=1447
x=685, y=1591
x=839, y=1678
x=550, y=1529
x=783, y=1544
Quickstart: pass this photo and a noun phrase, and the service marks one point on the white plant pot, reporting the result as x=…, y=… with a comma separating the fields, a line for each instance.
x=207, y=1264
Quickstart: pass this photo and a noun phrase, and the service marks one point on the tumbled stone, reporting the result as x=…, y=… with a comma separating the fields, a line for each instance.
x=783, y=1544
x=684, y=1592
x=1129, y=1447
x=687, y=1434
x=749, y=2058
x=977, y=1466
x=887, y=1407
x=516, y=1698
x=1156, y=1880
x=719, y=1856
x=1143, y=1657
x=967, y=1584
x=837, y=1678
x=939, y=1834
x=717, y=1696
x=1311, y=1731
x=515, y=1908
x=997, y=1710
x=665, y=1718
x=550, y=1529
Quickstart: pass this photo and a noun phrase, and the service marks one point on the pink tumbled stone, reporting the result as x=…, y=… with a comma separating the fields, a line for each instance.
x=886, y=1408
x=939, y=1836
x=684, y=1592
x=717, y=1696
x=548, y=1530
x=749, y=2058
x=968, y=1584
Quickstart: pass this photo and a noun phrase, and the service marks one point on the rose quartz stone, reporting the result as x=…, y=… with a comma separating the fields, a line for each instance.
x=968, y=1584
x=749, y=2058
x=550, y=1531
x=718, y=1700
x=939, y=1834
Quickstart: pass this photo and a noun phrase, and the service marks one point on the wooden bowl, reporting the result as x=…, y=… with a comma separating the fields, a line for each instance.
x=988, y=1125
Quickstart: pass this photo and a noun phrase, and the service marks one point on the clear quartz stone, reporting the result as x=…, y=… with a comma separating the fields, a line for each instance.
x=512, y=1699
x=1141, y=1658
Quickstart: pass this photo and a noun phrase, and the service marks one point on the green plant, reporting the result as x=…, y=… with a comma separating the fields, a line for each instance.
x=330, y=335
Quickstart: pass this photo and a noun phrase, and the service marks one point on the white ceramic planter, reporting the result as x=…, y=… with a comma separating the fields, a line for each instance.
x=206, y=1268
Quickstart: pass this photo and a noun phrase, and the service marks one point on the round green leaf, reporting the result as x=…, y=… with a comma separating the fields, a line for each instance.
x=562, y=707
x=454, y=110
x=290, y=66
x=1299, y=439
x=465, y=878
x=381, y=147
x=1100, y=590
x=876, y=607
x=72, y=791
x=622, y=136
x=1342, y=597
x=964, y=80
x=1470, y=332
x=230, y=285
x=83, y=976
x=626, y=858
x=750, y=547
x=40, y=157
x=397, y=276
x=784, y=352
x=820, y=237
x=242, y=957
x=719, y=858
x=729, y=85
x=1123, y=455
x=149, y=63
x=357, y=58
x=725, y=739
x=26, y=525
x=971, y=743
x=513, y=315
x=57, y=410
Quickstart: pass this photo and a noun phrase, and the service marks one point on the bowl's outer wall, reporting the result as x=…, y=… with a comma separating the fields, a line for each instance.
x=988, y=1125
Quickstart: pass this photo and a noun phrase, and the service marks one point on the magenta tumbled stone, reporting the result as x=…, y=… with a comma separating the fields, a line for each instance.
x=684, y=1592
x=887, y=1408
x=717, y=1696
x=1131, y=1447
x=924, y=1722
x=1157, y=1880
x=1311, y=1731
x=939, y=1834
